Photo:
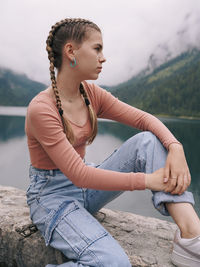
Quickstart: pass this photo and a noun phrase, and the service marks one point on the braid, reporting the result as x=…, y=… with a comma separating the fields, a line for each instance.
x=93, y=116
x=74, y=29
x=52, y=73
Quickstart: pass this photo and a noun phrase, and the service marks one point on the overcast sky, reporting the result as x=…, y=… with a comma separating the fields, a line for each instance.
x=132, y=31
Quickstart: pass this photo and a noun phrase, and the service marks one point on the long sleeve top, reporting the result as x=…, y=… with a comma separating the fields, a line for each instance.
x=50, y=149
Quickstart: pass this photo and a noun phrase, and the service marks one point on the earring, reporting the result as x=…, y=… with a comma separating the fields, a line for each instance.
x=73, y=64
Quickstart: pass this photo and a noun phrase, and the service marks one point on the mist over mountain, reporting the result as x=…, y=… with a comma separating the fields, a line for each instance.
x=184, y=40
x=155, y=29
x=173, y=88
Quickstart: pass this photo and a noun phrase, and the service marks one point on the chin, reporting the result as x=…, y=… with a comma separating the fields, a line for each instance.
x=93, y=76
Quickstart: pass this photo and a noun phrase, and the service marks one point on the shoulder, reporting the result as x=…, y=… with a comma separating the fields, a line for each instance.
x=42, y=103
x=42, y=99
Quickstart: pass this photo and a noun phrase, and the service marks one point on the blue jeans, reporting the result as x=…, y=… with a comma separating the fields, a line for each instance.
x=63, y=212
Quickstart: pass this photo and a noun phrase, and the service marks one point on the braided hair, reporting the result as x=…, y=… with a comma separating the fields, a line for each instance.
x=76, y=30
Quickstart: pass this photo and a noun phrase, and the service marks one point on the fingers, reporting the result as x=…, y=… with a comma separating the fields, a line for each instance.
x=187, y=181
x=189, y=177
x=166, y=175
x=171, y=185
x=178, y=185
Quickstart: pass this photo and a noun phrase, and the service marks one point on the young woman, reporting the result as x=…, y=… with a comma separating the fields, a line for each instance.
x=65, y=192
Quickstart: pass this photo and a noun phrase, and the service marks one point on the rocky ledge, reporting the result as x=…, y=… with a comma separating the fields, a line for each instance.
x=147, y=241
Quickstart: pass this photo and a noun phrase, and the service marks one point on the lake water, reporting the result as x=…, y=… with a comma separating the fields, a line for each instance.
x=14, y=156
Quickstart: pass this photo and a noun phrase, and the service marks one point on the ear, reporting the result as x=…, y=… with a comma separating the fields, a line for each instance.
x=68, y=50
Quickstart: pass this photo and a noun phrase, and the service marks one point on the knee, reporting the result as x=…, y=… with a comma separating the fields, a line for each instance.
x=149, y=136
x=143, y=140
x=142, y=137
x=150, y=140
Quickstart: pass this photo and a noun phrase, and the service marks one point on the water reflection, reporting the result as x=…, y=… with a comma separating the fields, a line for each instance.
x=14, y=163
x=14, y=158
x=10, y=127
x=186, y=131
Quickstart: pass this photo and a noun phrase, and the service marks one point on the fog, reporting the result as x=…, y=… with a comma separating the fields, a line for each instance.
x=133, y=31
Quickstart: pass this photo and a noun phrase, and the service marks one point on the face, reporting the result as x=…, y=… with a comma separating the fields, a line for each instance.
x=89, y=56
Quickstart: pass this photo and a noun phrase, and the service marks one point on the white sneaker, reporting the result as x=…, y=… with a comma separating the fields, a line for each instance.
x=186, y=252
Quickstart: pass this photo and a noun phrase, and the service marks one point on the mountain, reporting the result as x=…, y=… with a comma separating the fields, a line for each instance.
x=17, y=89
x=170, y=89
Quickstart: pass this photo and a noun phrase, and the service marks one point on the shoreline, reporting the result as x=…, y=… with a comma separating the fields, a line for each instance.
x=21, y=111
x=176, y=117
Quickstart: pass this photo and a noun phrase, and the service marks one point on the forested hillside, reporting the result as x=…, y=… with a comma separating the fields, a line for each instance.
x=17, y=89
x=172, y=89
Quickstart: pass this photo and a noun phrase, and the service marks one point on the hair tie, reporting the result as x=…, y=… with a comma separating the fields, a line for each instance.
x=60, y=111
x=87, y=102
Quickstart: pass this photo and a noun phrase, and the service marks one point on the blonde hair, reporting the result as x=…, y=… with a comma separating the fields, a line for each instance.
x=75, y=30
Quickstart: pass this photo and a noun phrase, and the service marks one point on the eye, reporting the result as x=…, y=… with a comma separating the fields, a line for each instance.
x=98, y=48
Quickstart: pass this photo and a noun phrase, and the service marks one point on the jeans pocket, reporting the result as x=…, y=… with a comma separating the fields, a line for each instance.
x=79, y=228
x=40, y=215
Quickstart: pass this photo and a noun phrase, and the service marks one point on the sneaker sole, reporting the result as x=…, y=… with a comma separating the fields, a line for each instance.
x=182, y=261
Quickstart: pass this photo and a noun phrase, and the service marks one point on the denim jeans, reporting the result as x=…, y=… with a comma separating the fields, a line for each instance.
x=64, y=213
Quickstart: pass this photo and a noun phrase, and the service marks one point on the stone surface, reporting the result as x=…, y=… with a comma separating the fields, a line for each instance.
x=147, y=241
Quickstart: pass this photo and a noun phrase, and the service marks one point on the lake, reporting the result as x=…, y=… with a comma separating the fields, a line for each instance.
x=14, y=156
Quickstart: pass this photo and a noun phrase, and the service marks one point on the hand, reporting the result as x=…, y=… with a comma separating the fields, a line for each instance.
x=154, y=181
x=176, y=172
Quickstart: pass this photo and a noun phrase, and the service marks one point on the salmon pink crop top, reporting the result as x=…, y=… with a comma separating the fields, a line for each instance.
x=50, y=149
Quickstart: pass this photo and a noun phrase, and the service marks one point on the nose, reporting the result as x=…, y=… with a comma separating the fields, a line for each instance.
x=102, y=59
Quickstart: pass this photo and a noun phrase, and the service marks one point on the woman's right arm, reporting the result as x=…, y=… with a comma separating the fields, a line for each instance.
x=154, y=181
x=45, y=125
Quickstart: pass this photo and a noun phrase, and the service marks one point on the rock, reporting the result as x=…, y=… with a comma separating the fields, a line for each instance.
x=147, y=241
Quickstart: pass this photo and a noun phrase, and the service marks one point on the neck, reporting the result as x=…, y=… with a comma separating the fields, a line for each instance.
x=68, y=85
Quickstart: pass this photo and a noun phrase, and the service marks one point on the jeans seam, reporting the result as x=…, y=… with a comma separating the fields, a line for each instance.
x=52, y=223
x=42, y=188
x=92, y=242
x=84, y=197
x=153, y=152
x=93, y=255
x=60, y=233
x=108, y=156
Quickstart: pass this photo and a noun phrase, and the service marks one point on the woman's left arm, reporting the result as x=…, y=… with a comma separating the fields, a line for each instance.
x=176, y=171
x=107, y=106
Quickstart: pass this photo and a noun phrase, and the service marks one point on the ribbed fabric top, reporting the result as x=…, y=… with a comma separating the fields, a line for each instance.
x=50, y=149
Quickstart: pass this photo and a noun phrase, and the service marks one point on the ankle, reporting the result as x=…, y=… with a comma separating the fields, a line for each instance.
x=186, y=218
x=188, y=232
